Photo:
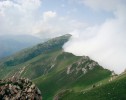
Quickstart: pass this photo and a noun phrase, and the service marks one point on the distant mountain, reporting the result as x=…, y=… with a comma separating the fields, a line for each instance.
x=9, y=44
x=61, y=75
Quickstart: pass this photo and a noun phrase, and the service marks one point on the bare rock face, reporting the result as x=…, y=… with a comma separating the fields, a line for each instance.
x=84, y=65
x=84, y=70
x=68, y=70
x=19, y=89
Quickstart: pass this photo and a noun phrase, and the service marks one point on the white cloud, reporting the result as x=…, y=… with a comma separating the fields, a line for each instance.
x=26, y=17
x=57, y=26
x=49, y=15
x=18, y=17
x=105, y=43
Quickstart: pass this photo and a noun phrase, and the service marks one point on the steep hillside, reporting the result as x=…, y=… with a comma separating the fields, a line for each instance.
x=21, y=59
x=30, y=53
x=52, y=69
x=114, y=90
x=70, y=73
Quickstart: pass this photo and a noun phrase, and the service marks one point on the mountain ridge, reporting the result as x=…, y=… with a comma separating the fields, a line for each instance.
x=38, y=49
x=53, y=70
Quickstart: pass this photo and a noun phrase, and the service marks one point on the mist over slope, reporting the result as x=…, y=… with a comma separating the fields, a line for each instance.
x=103, y=42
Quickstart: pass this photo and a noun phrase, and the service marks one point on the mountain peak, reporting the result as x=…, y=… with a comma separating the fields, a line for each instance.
x=27, y=54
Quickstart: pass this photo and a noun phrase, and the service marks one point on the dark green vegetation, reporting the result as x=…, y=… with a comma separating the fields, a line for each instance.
x=58, y=74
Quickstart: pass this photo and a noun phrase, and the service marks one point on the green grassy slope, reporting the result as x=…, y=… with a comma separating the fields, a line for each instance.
x=52, y=69
x=29, y=56
x=30, y=53
x=52, y=83
x=114, y=90
x=57, y=79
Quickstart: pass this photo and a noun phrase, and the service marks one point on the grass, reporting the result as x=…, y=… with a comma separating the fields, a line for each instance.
x=51, y=81
x=114, y=90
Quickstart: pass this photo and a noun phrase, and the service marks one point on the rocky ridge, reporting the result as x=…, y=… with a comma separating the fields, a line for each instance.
x=19, y=89
x=84, y=65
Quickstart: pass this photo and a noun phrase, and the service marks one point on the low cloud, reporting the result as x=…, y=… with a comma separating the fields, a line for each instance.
x=104, y=43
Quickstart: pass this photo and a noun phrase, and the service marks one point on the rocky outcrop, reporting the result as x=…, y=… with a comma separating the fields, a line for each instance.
x=19, y=89
x=68, y=69
x=84, y=65
x=84, y=70
x=113, y=76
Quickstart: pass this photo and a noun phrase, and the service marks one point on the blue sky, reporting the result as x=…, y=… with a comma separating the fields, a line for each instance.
x=75, y=10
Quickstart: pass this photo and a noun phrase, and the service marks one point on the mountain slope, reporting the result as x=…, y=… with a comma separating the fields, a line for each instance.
x=114, y=90
x=24, y=58
x=52, y=69
x=30, y=53
x=51, y=83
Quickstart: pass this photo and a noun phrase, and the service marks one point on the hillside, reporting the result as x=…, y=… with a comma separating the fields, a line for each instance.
x=114, y=90
x=52, y=69
x=30, y=53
